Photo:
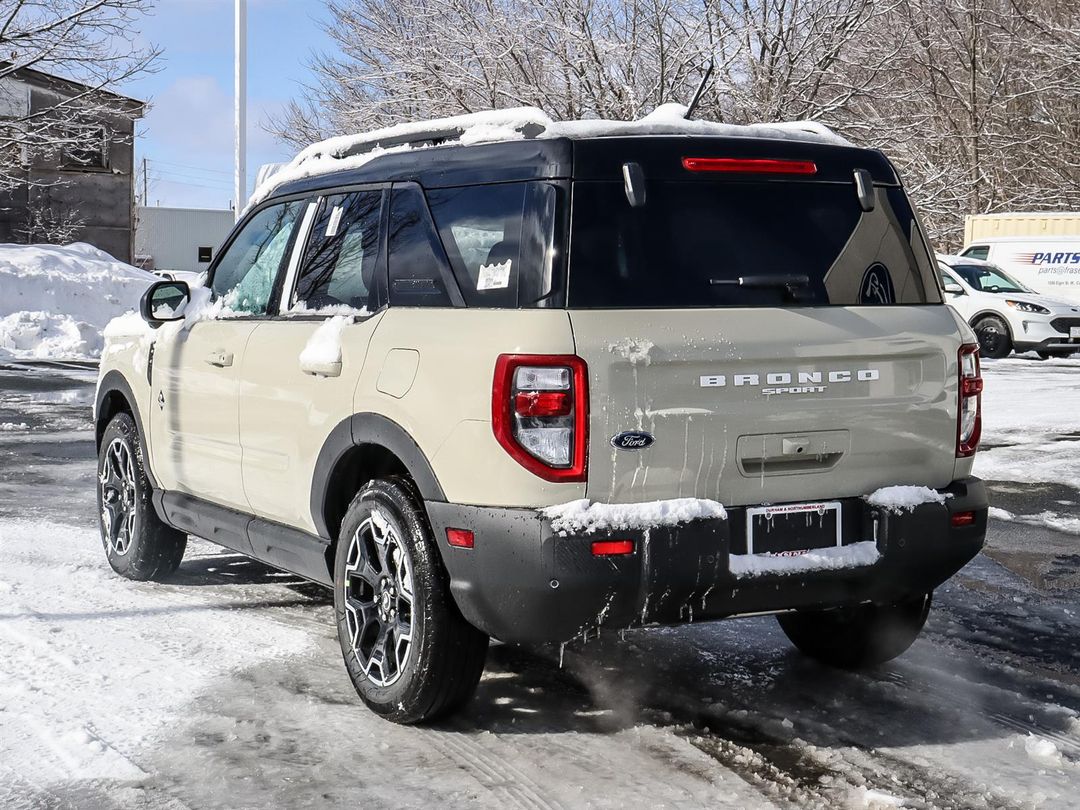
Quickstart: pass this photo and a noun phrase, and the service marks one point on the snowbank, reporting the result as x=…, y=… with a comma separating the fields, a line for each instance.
x=353, y=151
x=855, y=555
x=583, y=517
x=904, y=499
x=55, y=301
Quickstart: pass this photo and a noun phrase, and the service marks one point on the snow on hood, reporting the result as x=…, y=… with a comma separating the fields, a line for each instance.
x=342, y=152
x=57, y=299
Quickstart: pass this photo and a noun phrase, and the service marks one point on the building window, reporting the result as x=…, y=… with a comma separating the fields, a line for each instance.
x=89, y=149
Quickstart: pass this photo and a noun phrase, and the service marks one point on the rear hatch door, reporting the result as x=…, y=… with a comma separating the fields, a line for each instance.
x=774, y=339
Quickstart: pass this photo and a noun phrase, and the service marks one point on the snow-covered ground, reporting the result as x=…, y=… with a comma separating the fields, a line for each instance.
x=223, y=688
x=1031, y=423
x=55, y=301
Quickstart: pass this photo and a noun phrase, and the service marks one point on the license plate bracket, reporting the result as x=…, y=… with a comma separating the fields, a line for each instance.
x=793, y=528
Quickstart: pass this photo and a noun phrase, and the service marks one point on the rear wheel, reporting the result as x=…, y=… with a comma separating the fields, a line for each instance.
x=410, y=654
x=137, y=543
x=993, y=335
x=862, y=636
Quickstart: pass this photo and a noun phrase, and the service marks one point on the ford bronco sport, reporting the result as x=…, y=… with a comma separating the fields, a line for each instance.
x=536, y=388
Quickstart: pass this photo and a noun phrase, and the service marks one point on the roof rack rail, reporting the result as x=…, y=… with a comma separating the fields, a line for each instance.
x=528, y=122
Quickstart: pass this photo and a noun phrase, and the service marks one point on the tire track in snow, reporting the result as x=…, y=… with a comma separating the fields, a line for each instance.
x=492, y=771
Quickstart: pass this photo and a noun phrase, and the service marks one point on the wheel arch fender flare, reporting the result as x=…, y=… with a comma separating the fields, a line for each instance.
x=113, y=389
x=978, y=316
x=367, y=429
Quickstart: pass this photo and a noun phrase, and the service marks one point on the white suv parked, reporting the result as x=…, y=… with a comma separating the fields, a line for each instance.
x=1007, y=315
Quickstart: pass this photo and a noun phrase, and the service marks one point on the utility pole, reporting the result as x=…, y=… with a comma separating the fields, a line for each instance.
x=240, y=190
x=145, y=184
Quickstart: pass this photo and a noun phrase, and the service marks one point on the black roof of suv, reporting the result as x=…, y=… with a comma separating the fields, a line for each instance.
x=589, y=158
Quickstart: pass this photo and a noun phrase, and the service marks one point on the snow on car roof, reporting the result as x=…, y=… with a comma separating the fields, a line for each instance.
x=345, y=152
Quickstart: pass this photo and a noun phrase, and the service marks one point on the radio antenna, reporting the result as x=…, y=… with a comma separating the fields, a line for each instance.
x=699, y=92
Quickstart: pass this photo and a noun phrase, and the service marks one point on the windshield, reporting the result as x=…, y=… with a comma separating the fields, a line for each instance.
x=725, y=243
x=988, y=278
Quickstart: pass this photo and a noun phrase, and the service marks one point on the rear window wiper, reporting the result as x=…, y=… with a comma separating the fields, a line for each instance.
x=764, y=281
x=792, y=284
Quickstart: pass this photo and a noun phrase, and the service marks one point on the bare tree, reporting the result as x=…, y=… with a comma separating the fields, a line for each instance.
x=978, y=101
x=88, y=41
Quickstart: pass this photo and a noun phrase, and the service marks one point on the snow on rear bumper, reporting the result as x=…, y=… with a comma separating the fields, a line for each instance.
x=523, y=582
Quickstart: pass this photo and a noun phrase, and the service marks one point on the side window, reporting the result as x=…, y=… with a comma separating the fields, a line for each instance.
x=977, y=252
x=481, y=228
x=342, y=253
x=245, y=275
x=417, y=262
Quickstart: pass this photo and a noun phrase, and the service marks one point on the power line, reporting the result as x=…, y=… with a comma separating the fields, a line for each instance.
x=193, y=168
x=176, y=176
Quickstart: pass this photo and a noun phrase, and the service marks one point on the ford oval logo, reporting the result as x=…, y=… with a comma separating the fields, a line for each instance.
x=632, y=440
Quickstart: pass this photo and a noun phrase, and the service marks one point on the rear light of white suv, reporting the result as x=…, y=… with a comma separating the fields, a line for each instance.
x=969, y=415
x=539, y=412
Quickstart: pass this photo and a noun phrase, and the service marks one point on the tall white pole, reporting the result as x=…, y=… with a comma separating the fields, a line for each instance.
x=240, y=190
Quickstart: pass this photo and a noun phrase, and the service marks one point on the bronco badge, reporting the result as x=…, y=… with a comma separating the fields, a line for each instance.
x=632, y=440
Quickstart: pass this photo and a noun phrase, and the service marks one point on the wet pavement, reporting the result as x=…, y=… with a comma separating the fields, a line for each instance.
x=982, y=712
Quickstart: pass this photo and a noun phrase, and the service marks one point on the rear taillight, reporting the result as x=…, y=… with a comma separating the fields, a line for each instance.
x=969, y=417
x=749, y=165
x=539, y=412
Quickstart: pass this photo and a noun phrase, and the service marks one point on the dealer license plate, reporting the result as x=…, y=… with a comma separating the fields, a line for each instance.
x=1074, y=332
x=792, y=529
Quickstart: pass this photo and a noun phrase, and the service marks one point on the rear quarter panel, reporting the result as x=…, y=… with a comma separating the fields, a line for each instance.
x=446, y=405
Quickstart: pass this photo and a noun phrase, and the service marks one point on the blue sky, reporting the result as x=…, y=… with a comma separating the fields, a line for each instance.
x=188, y=134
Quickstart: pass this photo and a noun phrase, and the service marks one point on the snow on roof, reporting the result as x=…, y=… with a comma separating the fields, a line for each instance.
x=345, y=152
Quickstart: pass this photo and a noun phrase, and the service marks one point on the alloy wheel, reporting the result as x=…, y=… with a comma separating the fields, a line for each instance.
x=378, y=599
x=118, y=496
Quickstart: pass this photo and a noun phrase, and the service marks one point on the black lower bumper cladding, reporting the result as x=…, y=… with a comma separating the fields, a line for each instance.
x=523, y=582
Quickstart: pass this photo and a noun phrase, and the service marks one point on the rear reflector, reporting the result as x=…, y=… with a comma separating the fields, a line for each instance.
x=963, y=518
x=612, y=548
x=749, y=165
x=460, y=538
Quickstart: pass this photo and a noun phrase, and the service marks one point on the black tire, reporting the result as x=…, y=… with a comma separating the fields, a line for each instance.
x=437, y=657
x=993, y=335
x=854, y=638
x=137, y=544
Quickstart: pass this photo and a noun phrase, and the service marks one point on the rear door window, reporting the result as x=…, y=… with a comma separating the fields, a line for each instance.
x=420, y=274
x=342, y=254
x=739, y=243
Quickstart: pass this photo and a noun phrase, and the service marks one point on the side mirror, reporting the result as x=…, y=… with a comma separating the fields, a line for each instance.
x=164, y=301
x=953, y=288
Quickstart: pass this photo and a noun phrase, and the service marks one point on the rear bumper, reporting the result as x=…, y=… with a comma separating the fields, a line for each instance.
x=521, y=582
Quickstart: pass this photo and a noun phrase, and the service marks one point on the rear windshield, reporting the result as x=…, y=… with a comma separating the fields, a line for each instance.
x=733, y=243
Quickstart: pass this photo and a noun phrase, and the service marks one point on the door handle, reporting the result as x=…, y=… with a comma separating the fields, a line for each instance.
x=221, y=359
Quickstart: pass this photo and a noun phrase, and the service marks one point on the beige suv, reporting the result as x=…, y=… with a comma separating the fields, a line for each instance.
x=550, y=386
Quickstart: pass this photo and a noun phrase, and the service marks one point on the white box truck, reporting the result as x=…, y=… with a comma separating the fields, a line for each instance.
x=1040, y=249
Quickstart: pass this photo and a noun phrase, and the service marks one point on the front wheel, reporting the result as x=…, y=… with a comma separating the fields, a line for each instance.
x=410, y=654
x=857, y=637
x=993, y=335
x=137, y=543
